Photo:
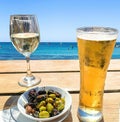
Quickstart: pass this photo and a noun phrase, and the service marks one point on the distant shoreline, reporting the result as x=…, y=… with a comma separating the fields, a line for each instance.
x=116, y=45
x=48, y=51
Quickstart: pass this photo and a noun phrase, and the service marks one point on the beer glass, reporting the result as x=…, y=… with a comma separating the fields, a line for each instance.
x=95, y=47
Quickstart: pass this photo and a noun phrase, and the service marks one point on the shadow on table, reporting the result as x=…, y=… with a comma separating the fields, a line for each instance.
x=69, y=118
x=10, y=102
x=102, y=120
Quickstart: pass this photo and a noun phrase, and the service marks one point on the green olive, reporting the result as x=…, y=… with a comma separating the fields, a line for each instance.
x=63, y=100
x=57, y=99
x=49, y=100
x=42, y=103
x=60, y=107
x=57, y=103
x=42, y=108
x=44, y=114
x=52, y=96
x=49, y=107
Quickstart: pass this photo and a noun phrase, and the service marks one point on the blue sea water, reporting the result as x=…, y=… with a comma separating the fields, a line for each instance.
x=48, y=51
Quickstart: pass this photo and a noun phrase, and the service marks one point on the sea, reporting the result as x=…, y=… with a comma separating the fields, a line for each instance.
x=48, y=51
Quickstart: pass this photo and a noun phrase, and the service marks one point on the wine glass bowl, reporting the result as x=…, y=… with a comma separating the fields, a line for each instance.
x=25, y=36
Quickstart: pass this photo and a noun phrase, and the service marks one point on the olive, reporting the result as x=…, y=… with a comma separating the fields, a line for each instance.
x=29, y=109
x=42, y=103
x=50, y=92
x=44, y=114
x=49, y=100
x=57, y=94
x=55, y=112
x=31, y=99
x=41, y=92
x=54, y=92
x=52, y=96
x=32, y=93
x=63, y=100
x=60, y=107
x=33, y=105
x=32, y=90
x=57, y=103
x=41, y=97
x=49, y=107
x=42, y=108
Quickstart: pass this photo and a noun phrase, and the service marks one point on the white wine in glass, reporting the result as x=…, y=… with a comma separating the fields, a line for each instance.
x=25, y=36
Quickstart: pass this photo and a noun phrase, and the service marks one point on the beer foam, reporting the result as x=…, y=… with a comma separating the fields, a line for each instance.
x=97, y=36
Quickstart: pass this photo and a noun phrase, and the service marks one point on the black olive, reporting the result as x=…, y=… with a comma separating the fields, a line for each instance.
x=41, y=92
x=33, y=105
x=39, y=98
x=51, y=92
x=57, y=94
x=55, y=112
x=30, y=99
x=32, y=93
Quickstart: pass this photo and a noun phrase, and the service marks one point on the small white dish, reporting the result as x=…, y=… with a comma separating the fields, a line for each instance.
x=60, y=117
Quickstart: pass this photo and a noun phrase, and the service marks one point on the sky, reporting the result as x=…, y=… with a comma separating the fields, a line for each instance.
x=59, y=19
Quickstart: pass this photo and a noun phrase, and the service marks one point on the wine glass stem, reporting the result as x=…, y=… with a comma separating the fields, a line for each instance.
x=29, y=73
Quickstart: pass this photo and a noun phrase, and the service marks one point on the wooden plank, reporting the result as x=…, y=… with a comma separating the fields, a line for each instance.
x=47, y=65
x=114, y=64
x=69, y=81
x=110, y=106
x=9, y=82
x=39, y=65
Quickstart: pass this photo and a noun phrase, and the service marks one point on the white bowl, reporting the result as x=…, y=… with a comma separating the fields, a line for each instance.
x=68, y=103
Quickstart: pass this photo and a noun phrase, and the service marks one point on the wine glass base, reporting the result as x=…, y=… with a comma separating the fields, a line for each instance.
x=29, y=81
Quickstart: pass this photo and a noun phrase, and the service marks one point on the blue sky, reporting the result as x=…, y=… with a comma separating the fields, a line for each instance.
x=58, y=19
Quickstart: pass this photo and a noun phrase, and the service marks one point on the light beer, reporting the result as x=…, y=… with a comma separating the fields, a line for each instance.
x=95, y=51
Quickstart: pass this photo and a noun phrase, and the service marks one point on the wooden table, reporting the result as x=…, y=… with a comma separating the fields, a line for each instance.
x=62, y=73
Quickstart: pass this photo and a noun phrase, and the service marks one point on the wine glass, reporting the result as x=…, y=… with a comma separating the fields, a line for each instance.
x=24, y=34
